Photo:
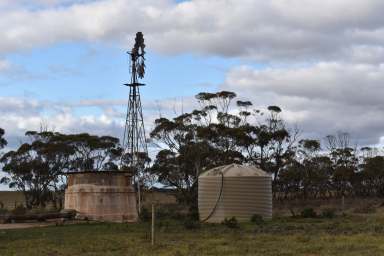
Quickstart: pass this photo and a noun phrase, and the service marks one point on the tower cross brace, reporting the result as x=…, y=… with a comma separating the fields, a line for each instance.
x=135, y=149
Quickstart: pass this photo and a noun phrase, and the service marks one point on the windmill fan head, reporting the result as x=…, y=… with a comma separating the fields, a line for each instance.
x=138, y=54
x=139, y=41
x=141, y=69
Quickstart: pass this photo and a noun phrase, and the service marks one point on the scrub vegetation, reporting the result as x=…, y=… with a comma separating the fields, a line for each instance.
x=221, y=130
x=338, y=235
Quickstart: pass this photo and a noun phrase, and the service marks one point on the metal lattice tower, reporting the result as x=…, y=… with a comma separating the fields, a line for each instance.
x=134, y=141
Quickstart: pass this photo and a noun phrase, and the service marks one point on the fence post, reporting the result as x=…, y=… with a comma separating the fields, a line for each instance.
x=153, y=225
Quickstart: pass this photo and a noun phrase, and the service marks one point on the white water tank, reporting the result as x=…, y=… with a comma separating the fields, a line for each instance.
x=234, y=191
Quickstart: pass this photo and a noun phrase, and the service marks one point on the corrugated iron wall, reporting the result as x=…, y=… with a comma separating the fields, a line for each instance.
x=241, y=197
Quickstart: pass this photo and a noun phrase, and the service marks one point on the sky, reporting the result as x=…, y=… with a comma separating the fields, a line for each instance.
x=63, y=63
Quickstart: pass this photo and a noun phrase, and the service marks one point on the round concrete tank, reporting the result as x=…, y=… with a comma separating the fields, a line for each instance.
x=106, y=196
x=234, y=191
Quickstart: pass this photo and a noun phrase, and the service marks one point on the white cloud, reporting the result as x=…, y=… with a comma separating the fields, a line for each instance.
x=4, y=65
x=322, y=98
x=273, y=30
x=18, y=115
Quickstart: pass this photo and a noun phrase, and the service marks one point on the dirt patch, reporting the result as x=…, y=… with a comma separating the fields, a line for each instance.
x=24, y=225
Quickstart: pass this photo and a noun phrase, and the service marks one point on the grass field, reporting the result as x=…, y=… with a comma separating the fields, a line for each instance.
x=351, y=235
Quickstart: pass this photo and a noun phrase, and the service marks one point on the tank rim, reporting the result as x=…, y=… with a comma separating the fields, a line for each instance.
x=99, y=172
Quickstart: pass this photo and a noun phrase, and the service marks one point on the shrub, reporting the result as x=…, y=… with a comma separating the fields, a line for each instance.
x=40, y=210
x=308, y=213
x=193, y=214
x=163, y=225
x=328, y=213
x=365, y=209
x=257, y=219
x=144, y=215
x=169, y=211
x=191, y=224
x=231, y=222
x=19, y=210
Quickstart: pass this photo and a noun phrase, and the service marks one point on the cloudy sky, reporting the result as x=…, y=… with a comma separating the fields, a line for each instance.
x=63, y=62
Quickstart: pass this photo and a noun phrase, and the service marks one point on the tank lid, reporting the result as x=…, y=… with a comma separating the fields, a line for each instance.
x=234, y=170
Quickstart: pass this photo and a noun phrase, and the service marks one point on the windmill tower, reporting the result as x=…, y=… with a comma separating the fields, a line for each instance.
x=134, y=142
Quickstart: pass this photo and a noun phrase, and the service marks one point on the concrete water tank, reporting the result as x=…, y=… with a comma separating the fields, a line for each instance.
x=105, y=196
x=234, y=190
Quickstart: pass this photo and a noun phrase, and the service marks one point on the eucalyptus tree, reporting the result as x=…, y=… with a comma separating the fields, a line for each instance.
x=3, y=142
x=34, y=167
x=37, y=166
x=215, y=134
x=345, y=162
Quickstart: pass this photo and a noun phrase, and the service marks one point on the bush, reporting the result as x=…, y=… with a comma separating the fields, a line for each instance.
x=144, y=215
x=365, y=209
x=163, y=225
x=328, y=213
x=257, y=219
x=41, y=210
x=169, y=211
x=191, y=224
x=193, y=214
x=19, y=210
x=3, y=211
x=308, y=213
x=231, y=222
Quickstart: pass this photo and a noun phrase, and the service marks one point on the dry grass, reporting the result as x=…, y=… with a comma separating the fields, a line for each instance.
x=351, y=235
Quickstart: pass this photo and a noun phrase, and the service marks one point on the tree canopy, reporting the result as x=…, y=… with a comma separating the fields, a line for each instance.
x=36, y=166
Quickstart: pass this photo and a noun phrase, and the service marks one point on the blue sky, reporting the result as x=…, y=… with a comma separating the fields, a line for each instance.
x=75, y=71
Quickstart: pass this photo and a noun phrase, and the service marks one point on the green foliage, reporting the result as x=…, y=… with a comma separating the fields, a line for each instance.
x=308, y=213
x=167, y=212
x=35, y=168
x=309, y=145
x=365, y=209
x=231, y=223
x=145, y=215
x=257, y=219
x=328, y=213
x=3, y=142
x=213, y=136
x=191, y=224
x=240, y=103
x=193, y=214
x=275, y=109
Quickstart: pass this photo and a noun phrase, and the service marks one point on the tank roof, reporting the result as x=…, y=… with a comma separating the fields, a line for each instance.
x=235, y=170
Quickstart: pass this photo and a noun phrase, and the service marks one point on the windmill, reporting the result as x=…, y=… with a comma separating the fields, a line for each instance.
x=135, y=150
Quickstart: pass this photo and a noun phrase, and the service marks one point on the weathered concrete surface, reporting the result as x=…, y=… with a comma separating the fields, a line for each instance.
x=105, y=196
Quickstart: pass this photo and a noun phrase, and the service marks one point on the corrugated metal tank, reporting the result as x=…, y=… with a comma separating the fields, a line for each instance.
x=234, y=190
x=106, y=196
